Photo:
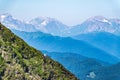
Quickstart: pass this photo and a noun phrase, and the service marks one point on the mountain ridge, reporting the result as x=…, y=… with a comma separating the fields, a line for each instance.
x=55, y=27
x=102, y=40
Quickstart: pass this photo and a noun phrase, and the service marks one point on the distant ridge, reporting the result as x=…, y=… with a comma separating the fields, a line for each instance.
x=54, y=27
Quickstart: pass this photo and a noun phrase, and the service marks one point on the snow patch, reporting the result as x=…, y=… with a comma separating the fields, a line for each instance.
x=2, y=18
x=44, y=23
x=106, y=21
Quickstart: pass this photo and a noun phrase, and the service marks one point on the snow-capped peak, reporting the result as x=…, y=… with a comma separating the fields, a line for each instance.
x=100, y=19
x=4, y=16
x=42, y=20
x=48, y=25
x=96, y=18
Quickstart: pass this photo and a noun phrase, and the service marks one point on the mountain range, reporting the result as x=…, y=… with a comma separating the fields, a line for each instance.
x=43, y=24
x=89, y=50
x=55, y=27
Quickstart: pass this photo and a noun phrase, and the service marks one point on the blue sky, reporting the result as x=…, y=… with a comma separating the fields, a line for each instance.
x=70, y=12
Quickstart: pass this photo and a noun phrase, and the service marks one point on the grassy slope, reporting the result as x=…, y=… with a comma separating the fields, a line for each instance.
x=20, y=61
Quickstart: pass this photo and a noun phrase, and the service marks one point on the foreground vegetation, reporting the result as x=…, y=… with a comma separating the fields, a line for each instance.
x=19, y=61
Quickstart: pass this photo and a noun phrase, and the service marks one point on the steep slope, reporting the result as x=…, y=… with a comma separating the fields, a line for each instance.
x=42, y=41
x=20, y=61
x=105, y=41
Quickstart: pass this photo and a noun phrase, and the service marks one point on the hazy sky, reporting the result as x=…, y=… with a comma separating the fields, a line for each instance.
x=70, y=12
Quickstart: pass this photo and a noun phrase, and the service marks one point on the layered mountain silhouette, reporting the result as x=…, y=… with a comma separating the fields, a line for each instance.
x=42, y=41
x=102, y=40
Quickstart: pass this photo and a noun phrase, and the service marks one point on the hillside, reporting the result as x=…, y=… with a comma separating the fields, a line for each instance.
x=81, y=66
x=20, y=61
x=102, y=40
